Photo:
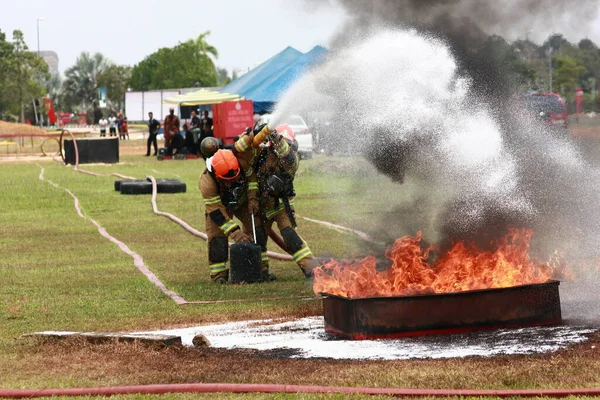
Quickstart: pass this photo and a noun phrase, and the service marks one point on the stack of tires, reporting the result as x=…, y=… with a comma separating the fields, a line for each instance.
x=144, y=186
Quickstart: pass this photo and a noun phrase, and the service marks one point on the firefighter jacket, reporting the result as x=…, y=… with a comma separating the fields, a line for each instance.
x=278, y=159
x=223, y=197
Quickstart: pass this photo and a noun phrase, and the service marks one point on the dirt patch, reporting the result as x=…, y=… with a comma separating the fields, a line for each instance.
x=30, y=150
x=131, y=364
x=12, y=128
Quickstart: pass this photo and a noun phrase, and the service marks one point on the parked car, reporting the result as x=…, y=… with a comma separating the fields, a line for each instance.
x=549, y=108
x=302, y=133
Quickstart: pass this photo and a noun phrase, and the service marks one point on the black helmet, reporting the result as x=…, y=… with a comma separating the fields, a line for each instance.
x=209, y=146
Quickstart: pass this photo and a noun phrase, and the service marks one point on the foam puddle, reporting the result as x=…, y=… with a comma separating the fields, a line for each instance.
x=305, y=338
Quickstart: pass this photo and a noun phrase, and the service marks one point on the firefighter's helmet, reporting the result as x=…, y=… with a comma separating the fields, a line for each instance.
x=209, y=146
x=287, y=132
x=225, y=165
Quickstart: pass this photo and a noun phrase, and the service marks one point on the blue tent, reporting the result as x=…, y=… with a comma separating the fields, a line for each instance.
x=249, y=80
x=266, y=86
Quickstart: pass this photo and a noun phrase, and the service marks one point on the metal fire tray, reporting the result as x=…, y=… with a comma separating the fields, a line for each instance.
x=394, y=317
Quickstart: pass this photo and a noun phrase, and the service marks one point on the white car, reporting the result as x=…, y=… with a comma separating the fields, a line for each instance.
x=301, y=132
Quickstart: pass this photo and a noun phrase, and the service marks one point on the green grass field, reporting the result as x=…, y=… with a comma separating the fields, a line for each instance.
x=58, y=273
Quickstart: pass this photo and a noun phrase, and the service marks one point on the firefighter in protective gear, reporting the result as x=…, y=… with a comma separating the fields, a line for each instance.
x=275, y=161
x=209, y=146
x=228, y=186
x=244, y=151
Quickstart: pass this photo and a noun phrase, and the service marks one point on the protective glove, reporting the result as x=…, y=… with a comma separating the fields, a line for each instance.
x=239, y=236
x=243, y=143
x=261, y=136
x=253, y=206
x=275, y=138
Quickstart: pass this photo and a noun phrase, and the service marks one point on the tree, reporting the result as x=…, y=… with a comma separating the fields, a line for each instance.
x=204, y=47
x=141, y=74
x=22, y=74
x=589, y=56
x=566, y=75
x=115, y=78
x=81, y=80
x=499, y=52
x=188, y=64
x=556, y=42
x=222, y=76
x=54, y=89
x=587, y=44
x=5, y=68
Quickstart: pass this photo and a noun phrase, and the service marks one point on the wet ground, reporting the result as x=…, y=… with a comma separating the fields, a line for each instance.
x=305, y=338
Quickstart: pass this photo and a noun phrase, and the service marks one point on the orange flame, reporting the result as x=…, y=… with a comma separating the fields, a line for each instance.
x=462, y=268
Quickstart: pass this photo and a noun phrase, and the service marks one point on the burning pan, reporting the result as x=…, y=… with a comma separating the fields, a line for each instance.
x=394, y=317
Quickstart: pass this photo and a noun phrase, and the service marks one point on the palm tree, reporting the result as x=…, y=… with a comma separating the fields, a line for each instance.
x=205, y=47
x=81, y=79
x=54, y=88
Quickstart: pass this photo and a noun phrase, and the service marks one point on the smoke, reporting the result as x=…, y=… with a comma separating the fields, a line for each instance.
x=469, y=22
x=407, y=87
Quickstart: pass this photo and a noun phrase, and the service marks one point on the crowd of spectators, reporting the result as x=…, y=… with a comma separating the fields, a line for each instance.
x=182, y=139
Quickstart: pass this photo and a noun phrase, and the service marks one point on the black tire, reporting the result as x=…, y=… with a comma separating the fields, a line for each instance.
x=118, y=183
x=170, y=186
x=136, y=187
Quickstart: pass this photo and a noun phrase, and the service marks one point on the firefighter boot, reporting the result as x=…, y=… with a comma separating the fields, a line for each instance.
x=220, y=277
x=265, y=275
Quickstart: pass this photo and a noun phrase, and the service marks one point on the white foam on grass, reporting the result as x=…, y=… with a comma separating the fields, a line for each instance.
x=305, y=338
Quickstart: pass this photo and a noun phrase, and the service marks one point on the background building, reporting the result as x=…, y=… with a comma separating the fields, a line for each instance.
x=51, y=59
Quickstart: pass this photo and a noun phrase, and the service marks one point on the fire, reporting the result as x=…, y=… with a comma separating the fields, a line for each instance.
x=462, y=268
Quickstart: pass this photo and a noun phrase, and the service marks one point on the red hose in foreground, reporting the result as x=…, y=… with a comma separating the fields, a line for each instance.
x=272, y=388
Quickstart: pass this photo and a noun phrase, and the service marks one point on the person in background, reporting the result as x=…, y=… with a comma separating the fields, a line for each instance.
x=176, y=143
x=194, y=128
x=112, y=125
x=153, y=126
x=188, y=138
x=171, y=125
x=103, y=122
x=122, y=126
x=206, y=126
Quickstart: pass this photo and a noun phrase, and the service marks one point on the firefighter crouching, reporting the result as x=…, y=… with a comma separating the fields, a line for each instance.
x=274, y=159
x=229, y=188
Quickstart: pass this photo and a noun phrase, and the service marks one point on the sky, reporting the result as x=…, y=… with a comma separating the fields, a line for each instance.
x=245, y=32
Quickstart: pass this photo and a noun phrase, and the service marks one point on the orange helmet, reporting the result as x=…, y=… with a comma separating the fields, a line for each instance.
x=286, y=131
x=225, y=165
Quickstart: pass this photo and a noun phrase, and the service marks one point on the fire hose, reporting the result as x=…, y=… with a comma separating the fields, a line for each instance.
x=183, y=224
x=275, y=237
x=139, y=262
x=195, y=232
x=275, y=388
x=137, y=259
